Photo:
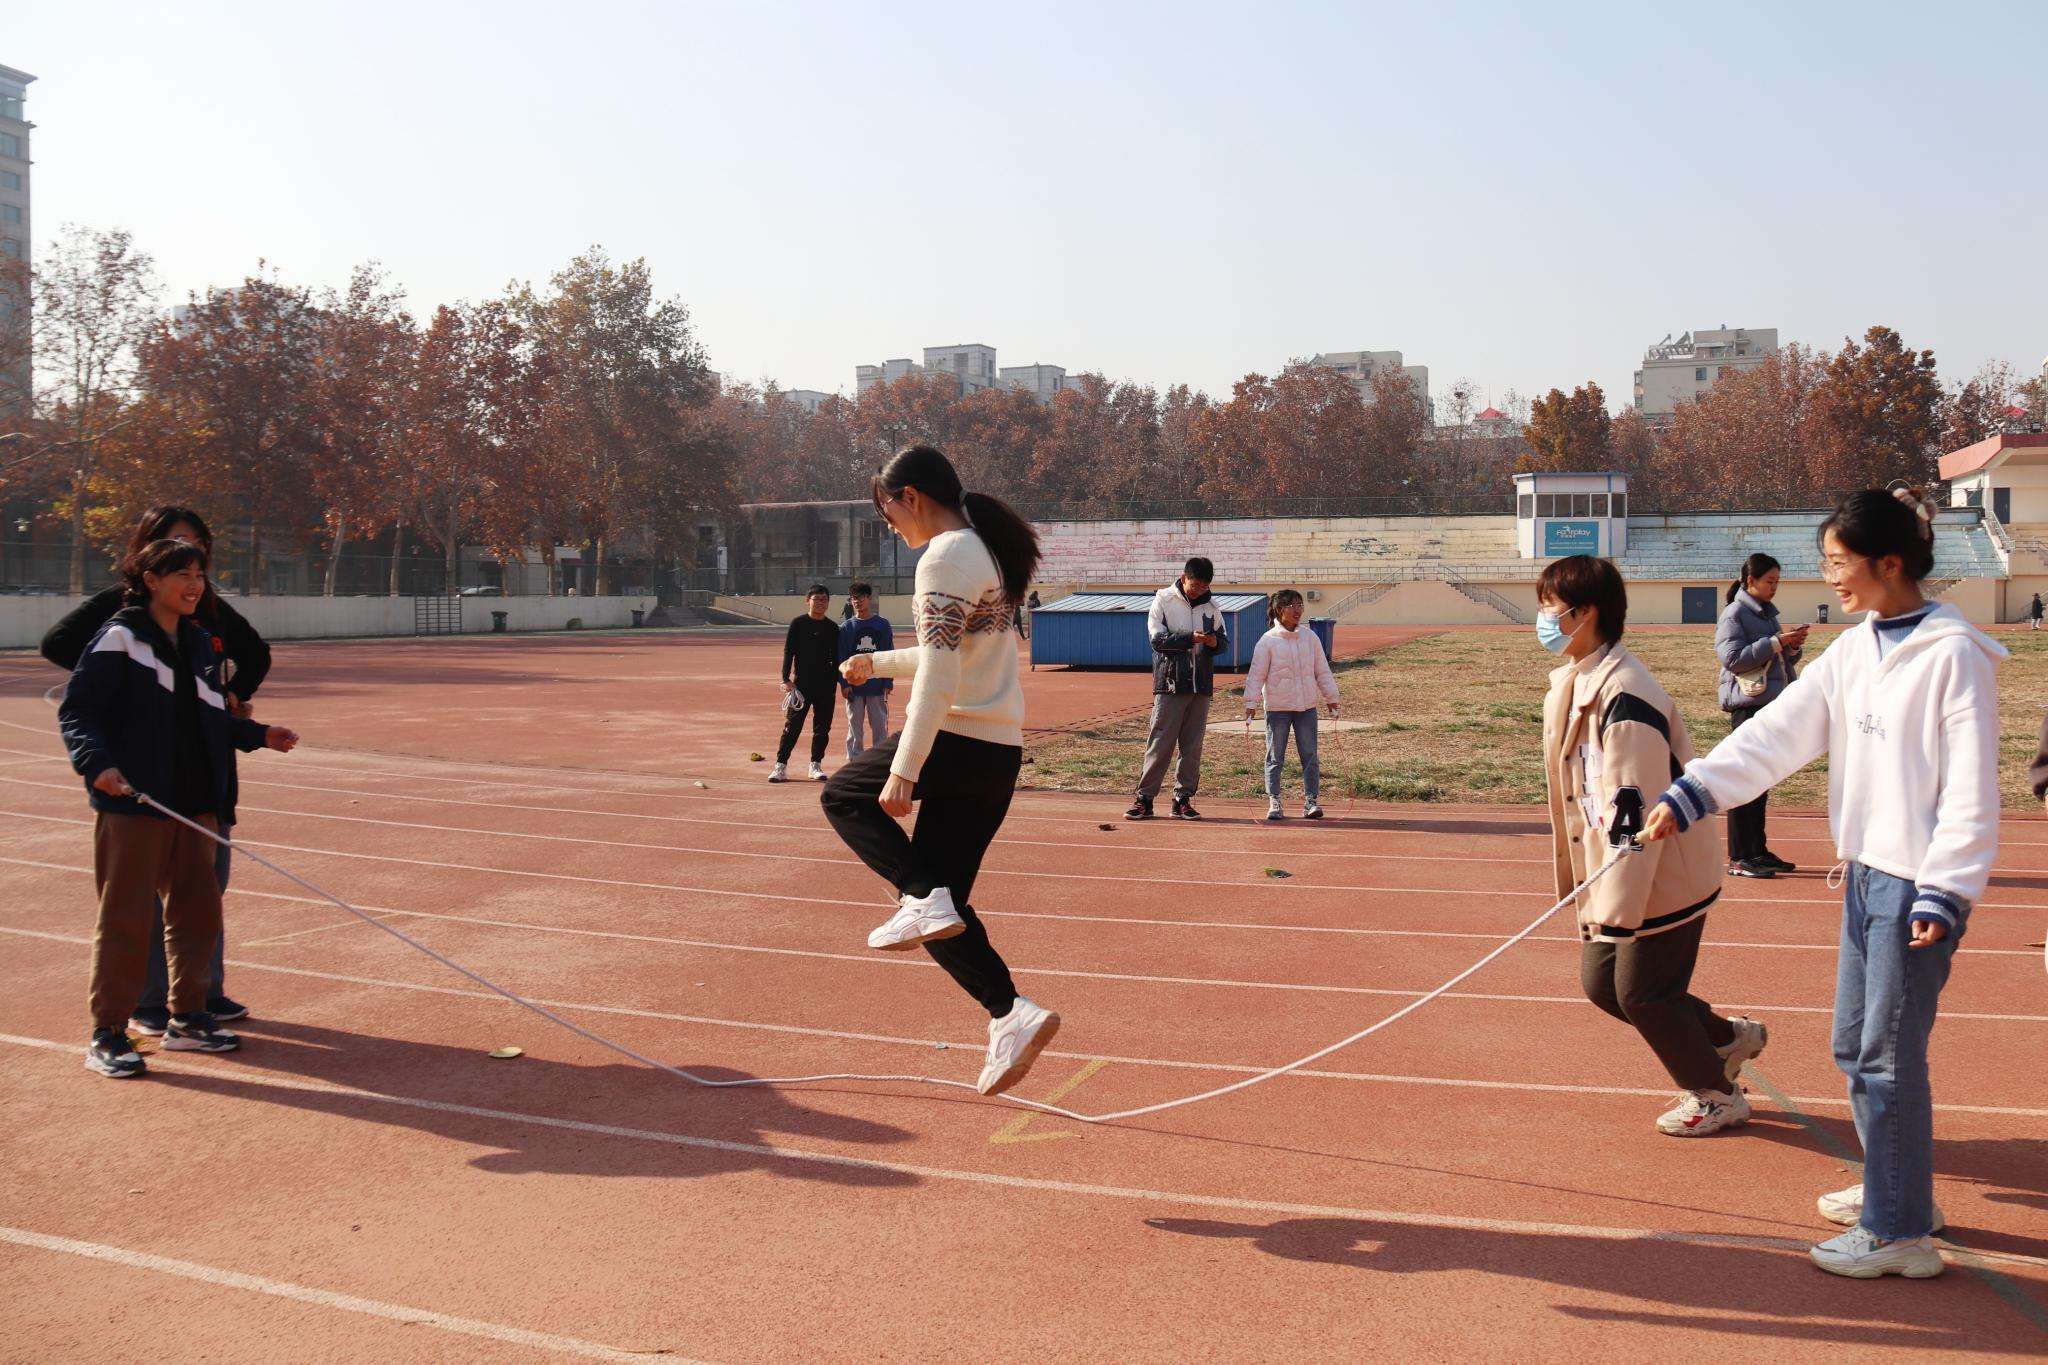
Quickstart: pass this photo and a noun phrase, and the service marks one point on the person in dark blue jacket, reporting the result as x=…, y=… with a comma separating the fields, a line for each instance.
x=245, y=662
x=868, y=704
x=144, y=715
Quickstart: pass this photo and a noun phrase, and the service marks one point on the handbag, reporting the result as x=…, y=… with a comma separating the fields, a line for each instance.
x=1754, y=683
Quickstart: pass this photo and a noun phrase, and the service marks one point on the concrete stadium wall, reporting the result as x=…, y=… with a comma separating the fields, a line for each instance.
x=23, y=620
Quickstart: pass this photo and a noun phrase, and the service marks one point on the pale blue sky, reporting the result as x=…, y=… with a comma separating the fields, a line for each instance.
x=1524, y=194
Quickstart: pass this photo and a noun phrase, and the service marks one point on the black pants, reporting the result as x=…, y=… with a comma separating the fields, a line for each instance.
x=1746, y=822
x=963, y=794
x=819, y=702
x=1646, y=983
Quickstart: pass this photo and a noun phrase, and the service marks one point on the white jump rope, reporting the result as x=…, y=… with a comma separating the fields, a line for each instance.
x=1621, y=851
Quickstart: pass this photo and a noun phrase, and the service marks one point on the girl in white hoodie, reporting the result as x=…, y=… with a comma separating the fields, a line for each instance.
x=1290, y=671
x=1905, y=707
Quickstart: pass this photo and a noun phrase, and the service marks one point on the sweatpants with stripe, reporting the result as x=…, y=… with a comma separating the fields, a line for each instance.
x=136, y=859
x=963, y=793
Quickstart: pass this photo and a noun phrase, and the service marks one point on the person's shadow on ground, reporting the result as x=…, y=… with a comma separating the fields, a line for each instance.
x=2014, y=1171
x=543, y=1117
x=1726, y=1287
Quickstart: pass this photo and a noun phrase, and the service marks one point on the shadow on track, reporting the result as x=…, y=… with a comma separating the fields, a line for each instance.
x=1738, y=1290
x=620, y=1095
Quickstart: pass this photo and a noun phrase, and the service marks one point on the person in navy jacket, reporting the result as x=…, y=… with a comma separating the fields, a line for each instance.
x=144, y=715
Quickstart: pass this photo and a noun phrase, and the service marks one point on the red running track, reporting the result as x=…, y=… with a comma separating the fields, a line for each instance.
x=361, y=1180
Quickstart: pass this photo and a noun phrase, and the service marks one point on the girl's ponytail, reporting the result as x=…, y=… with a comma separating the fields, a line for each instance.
x=1010, y=539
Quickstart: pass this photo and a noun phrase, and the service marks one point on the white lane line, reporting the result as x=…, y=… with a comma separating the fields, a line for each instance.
x=929, y=1044
x=1288, y=884
x=871, y=959
x=1015, y=1182
x=1276, y=927
x=324, y=1298
x=1400, y=1218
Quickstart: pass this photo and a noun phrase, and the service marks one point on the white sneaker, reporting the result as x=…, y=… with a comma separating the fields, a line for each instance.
x=1748, y=1043
x=1014, y=1042
x=1846, y=1207
x=920, y=919
x=1700, y=1112
x=779, y=773
x=1274, y=811
x=817, y=772
x=1311, y=810
x=1861, y=1254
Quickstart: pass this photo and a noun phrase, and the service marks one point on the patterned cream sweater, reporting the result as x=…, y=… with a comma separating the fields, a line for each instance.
x=965, y=662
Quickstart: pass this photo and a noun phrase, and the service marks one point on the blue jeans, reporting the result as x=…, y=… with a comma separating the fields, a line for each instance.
x=1886, y=994
x=156, y=992
x=1303, y=725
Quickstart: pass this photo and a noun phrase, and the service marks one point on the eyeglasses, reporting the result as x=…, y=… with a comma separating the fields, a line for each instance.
x=1833, y=567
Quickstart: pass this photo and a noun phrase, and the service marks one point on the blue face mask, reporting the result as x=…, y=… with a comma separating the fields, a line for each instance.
x=1550, y=634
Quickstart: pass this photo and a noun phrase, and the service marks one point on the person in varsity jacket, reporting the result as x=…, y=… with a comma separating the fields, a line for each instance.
x=1611, y=734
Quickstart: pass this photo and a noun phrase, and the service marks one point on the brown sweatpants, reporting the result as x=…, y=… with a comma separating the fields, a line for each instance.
x=136, y=858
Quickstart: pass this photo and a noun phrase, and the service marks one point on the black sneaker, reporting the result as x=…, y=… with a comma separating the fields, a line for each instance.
x=223, y=1009
x=198, y=1033
x=112, y=1054
x=1185, y=810
x=1753, y=867
x=150, y=1019
x=1770, y=859
x=1141, y=809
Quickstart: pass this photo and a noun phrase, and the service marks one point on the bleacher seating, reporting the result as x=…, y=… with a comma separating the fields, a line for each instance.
x=1691, y=547
x=1712, y=545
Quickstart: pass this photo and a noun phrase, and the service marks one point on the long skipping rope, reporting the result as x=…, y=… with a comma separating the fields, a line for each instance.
x=1621, y=851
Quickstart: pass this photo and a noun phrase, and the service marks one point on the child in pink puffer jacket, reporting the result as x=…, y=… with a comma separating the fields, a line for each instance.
x=1291, y=674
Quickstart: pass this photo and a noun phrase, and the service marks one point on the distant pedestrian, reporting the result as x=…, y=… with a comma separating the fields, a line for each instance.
x=1186, y=627
x=1758, y=661
x=867, y=704
x=1291, y=674
x=810, y=682
x=2034, y=613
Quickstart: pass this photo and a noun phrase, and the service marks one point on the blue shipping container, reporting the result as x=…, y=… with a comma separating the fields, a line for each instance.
x=1107, y=630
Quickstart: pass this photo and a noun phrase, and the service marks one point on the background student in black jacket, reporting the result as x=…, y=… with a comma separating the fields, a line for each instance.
x=144, y=715
x=810, y=671
x=245, y=663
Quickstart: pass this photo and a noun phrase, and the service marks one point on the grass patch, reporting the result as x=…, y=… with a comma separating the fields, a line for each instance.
x=1459, y=717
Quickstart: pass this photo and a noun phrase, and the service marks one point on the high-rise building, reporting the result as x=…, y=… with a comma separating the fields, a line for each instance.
x=1360, y=367
x=1680, y=371
x=14, y=236
x=972, y=363
x=810, y=400
x=865, y=377
x=1041, y=381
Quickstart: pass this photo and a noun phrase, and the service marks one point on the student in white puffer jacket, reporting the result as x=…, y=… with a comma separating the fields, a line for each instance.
x=1291, y=674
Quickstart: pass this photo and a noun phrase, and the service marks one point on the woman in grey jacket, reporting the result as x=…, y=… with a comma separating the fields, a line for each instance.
x=1757, y=662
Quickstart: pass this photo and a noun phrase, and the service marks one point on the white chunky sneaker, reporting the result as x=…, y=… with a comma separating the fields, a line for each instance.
x=817, y=772
x=1846, y=1207
x=1014, y=1042
x=1700, y=1112
x=1274, y=810
x=1310, y=810
x=1748, y=1043
x=1861, y=1254
x=920, y=919
x=779, y=773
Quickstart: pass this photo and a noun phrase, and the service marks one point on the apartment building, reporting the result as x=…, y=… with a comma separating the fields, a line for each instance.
x=1675, y=372
x=1040, y=381
x=15, y=227
x=971, y=363
x=1361, y=366
x=865, y=377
